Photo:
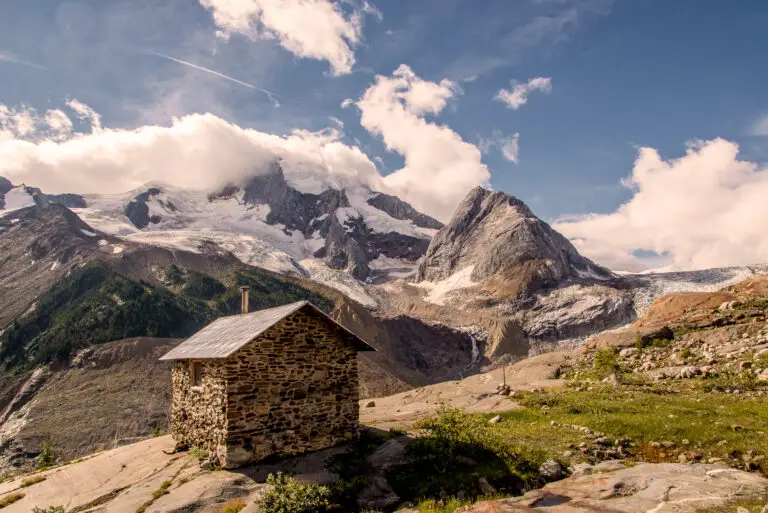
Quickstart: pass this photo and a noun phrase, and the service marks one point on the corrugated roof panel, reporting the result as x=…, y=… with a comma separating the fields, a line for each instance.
x=226, y=335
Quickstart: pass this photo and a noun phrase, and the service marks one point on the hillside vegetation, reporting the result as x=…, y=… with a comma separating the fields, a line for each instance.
x=95, y=304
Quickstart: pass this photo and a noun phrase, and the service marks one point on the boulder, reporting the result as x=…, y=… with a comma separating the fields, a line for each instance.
x=552, y=470
x=659, y=487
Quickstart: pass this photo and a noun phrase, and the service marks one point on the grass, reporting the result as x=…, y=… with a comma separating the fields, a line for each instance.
x=32, y=480
x=647, y=414
x=163, y=490
x=442, y=506
x=753, y=505
x=233, y=506
x=456, y=452
x=10, y=499
x=198, y=453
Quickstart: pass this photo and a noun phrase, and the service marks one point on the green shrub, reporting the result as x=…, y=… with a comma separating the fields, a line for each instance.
x=606, y=361
x=173, y=275
x=286, y=495
x=686, y=353
x=198, y=453
x=49, y=509
x=46, y=458
x=202, y=286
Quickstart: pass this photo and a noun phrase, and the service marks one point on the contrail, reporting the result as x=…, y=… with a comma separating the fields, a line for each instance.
x=7, y=57
x=270, y=94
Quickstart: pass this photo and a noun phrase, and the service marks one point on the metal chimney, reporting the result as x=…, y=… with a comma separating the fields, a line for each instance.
x=244, y=293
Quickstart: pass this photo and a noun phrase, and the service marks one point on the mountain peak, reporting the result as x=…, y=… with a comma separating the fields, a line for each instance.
x=498, y=237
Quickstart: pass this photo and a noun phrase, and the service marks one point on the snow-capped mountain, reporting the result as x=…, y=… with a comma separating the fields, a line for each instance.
x=340, y=236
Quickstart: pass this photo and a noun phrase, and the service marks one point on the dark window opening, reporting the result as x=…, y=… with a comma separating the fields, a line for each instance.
x=196, y=371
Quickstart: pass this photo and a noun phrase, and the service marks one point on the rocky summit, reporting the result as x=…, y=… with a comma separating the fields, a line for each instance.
x=498, y=238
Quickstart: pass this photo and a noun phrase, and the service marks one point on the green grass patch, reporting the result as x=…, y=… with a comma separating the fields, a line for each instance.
x=9, y=499
x=163, y=490
x=753, y=505
x=32, y=480
x=657, y=414
x=233, y=506
x=449, y=505
x=455, y=451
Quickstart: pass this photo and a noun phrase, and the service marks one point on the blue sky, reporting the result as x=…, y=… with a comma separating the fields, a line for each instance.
x=624, y=74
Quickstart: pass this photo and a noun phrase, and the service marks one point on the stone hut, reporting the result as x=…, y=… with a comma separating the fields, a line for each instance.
x=281, y=380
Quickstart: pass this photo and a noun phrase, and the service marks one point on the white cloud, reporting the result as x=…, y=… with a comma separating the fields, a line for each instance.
x=760, y=127
x=84, y=112
x=517, y=96
x=509, y=146
x=702, y=210
x=25, y=123
x=440, y=167
x=199, y=151
x=205, y=152
x=314, y=29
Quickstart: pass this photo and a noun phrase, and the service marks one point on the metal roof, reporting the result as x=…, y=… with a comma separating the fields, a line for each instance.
x=226, y=335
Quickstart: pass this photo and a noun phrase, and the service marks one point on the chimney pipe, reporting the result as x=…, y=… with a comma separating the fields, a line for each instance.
x=244, y=293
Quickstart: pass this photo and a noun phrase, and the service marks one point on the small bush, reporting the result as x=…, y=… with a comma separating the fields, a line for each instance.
x=232, y=506
x=397, y=431
x=32, y=480
x=49, y=509
x=10, y=499
x=289, y=496
x=46, y=458
x=686, y=353
x=198, y=453
x=606, y=361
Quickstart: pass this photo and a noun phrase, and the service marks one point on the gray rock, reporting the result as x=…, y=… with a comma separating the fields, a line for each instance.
x=638, y=489
x=399, y=209
x=552, y=470
x=378, y=495
x=497, y=234
x=138, y=210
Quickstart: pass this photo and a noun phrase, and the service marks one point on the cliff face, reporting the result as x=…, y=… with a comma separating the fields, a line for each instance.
x=499, y=237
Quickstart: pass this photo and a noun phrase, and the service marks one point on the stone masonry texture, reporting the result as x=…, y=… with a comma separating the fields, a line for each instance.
x=293, y=389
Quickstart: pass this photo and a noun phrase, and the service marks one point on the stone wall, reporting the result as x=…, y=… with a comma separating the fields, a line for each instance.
x=293, y=390
x=199, y=414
